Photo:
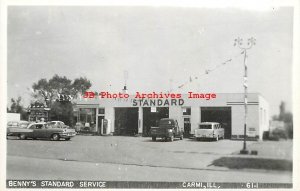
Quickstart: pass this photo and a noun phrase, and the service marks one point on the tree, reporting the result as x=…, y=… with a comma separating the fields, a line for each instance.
x=287, y=118
x=16, y=107
x=284, y=116
x=281, y=111
x=49, y=91
x=80, y=85
x=62, y=111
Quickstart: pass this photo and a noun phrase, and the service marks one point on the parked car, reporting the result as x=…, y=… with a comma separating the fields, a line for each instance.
x=11, y=125
x=167, y=129
x=44, y=131
x=211, y=130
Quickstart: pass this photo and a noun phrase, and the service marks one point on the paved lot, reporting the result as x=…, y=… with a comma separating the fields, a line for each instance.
x=274, y=149
x=128, y=158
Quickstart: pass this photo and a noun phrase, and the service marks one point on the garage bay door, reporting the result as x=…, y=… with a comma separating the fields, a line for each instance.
x=126, y=121
x=221, y=115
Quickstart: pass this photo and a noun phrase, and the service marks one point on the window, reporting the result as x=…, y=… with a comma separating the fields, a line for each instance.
x=101, y=111
x=51, y=123
x=32, y=127
x=205, y=126
x=15, y=124
x=186, y=111
x=61, y=124
x=39, y=126
x=23, y=125
x=87, y=116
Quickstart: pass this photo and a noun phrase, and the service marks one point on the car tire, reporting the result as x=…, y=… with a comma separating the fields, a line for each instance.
x=68, y=139
x=172, y=138
x=181, y=137
x=22, y=137
x=55, y=137
x=153, y=138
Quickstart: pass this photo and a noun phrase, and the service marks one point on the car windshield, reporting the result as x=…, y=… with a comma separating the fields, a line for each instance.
x=53, y=125
x=166, y=122
x=205, y=126
x=24, y=125
x=15, y=123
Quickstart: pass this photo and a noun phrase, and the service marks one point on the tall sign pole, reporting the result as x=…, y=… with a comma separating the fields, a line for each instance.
x=239, y=43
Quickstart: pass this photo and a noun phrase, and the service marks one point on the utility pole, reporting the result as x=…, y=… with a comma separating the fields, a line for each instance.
x=239, y=43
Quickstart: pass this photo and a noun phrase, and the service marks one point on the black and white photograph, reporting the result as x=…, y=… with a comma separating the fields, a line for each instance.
x=133, y=96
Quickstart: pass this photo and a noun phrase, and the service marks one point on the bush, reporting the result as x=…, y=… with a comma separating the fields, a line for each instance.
x=278, y=134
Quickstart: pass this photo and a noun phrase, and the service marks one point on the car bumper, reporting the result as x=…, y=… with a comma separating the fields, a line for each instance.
x=205, y=136
x=168, y=134
x=67, y=135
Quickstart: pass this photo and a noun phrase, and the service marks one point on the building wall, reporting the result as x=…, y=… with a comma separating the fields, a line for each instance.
x=195, y=118
x=237, y=120
x=253, y=120
x=176, y=113
x=110, y=114
x=13, y=116
x=264, y=119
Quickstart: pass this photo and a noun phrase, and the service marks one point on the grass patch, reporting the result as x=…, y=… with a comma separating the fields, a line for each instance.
x=253, y=163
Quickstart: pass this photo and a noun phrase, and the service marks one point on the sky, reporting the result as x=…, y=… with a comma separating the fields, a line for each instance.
x=161, y=48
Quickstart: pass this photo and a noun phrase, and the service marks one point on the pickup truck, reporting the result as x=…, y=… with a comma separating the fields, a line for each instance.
x=167, y=129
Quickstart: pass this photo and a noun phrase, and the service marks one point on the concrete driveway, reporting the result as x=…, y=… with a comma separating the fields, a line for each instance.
x=128, y=158
x=187, y=153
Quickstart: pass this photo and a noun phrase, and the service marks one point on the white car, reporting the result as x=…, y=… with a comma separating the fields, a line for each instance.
x=211, y=130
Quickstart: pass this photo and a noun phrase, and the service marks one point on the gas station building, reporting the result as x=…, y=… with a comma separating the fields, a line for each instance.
x=131, y=116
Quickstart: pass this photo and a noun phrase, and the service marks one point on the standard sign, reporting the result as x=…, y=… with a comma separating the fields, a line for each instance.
x=157, y=102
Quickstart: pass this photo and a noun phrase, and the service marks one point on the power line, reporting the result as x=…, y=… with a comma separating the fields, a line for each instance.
x=207, y=71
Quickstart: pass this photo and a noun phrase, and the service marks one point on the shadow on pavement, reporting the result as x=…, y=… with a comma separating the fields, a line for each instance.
x=253, y=163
